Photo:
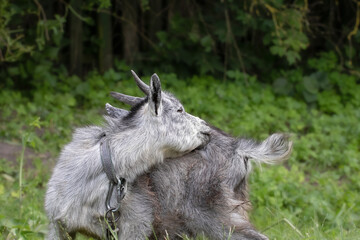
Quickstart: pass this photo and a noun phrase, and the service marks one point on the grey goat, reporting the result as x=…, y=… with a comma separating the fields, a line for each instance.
x=157, y=127
x=203, y=192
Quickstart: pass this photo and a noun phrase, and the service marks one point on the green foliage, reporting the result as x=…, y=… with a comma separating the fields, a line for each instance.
x=15, y=42
x=315, y=192
x=188, y=37
x=280, y=73
x=287, y=38
x=15, y=48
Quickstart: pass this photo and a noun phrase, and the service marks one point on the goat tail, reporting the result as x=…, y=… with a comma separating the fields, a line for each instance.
x=273, y=150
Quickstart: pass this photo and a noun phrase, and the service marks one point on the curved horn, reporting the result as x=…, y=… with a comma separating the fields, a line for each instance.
x=115, y=112
x=132, y=101
x=143, y=86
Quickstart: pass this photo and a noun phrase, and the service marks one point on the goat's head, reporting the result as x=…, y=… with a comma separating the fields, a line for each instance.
x=162, y=117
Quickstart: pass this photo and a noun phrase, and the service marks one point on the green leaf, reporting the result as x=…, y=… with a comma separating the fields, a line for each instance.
x=292, y=57
x=311, y=84
x=207, y=43
x=36, y=123
x=278, y=50
x=282, y=86
x=70, y=101
x=309, y=97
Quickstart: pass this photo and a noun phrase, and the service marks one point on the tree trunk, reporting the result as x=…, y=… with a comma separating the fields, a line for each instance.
x=105, y=36
x=155, y=19
x=76, y=44
x=49, y=8
x=170, y=13
x=129, y=29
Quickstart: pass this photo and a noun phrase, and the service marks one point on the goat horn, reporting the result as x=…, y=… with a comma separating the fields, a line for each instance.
x=115, y=112
x=143, y=86
x=132, y=101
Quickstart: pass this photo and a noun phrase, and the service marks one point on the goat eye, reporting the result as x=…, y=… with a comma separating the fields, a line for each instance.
x=180, y=110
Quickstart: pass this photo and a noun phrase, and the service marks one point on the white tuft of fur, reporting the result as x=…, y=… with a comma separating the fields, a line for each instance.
x=273, y=150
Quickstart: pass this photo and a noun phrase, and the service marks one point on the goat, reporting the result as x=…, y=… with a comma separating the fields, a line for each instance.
x=205, y=191
x=157, y=127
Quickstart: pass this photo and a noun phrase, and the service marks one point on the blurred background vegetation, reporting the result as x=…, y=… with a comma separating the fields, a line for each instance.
x=249, y=67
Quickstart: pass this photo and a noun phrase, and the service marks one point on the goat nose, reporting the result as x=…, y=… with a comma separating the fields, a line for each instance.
x=206, y=136
x=206, y=128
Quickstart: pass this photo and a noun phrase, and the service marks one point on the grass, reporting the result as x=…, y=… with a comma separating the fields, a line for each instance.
x=314, y=195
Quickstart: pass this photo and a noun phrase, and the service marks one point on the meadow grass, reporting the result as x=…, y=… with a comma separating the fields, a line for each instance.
x=314, y=195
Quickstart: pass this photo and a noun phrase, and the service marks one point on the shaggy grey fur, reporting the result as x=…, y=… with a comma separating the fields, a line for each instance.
x=154, y=129
x=203, y=192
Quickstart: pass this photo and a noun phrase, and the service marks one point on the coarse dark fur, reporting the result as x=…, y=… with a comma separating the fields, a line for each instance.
x=206, y=192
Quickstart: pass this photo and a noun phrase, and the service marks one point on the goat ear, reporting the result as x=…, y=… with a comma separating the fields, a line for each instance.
x=155, y=95
x=115, y=112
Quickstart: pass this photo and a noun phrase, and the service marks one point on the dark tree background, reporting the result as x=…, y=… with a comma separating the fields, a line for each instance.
x=226, y=39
